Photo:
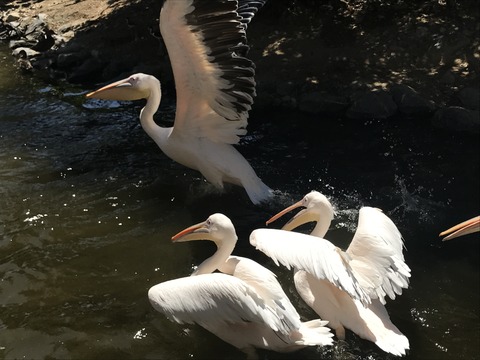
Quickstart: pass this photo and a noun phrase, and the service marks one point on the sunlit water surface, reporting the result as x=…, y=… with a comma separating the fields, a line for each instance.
x=88, y=205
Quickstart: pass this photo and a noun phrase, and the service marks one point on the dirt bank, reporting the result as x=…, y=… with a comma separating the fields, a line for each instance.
x=333, y=51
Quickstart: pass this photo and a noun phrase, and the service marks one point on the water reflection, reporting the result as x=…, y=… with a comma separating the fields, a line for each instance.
x=89, y=203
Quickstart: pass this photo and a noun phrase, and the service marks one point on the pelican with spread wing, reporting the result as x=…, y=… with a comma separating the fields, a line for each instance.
x=347, y=288
x=215, y=87
x=243, y=305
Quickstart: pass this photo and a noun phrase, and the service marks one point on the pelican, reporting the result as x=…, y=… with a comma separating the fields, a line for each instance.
x=464, y=228
x=374, y=263
x=215, y=86
x=243, y=305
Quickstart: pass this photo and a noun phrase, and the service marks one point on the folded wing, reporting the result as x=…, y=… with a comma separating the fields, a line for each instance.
x=211, y=299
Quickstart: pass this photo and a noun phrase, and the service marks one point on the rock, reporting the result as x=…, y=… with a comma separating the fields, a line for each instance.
x=317, y=102
x=410, y=103
x=59, y=40
x=67, y=35
x=470, y=98
x=448, y=78
x=67, y=60
x=44, y=40
x=71, y=47
x=289, y=102
x=23, y=55
x=127, y=63
x=28, y=33
x=38, y=24
x=13, y=44
x=11, y=16
x=24, y=52
x=457, y=118
x=65, y=28
x=286, y=88
x=43, y=63
x=10, y=31
x=89, y=71
x=372, y=105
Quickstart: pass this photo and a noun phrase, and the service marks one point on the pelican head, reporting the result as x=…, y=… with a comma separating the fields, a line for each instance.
x=135, y=87
x=316, y=206
x=464, y=228
x=217, y=228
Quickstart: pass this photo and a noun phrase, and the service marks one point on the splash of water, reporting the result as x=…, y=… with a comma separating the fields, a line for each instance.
x=414, y=202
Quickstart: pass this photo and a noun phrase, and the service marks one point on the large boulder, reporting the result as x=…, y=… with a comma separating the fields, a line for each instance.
x=319, y=103
x=470, y=98
x=410, y=103
x=372, y=105
x=457, y=118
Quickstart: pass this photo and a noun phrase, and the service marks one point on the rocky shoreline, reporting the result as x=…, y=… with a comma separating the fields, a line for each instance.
x=116, y=40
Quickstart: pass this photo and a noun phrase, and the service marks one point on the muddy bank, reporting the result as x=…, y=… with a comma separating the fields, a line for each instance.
x=350, y=61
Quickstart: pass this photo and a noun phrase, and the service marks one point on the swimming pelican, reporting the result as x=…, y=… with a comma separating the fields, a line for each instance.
x=372, y=259
x=243, y=305
x=215, y=86
x=464, y=228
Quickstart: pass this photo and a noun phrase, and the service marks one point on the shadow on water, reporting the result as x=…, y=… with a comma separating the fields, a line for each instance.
x=89, y=205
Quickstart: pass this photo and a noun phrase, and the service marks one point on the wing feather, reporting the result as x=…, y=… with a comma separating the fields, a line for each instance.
x=377, y=257
x=214, y=80
x=315, y=255
x=248, y=8
x=269, y=289
x=211, y=299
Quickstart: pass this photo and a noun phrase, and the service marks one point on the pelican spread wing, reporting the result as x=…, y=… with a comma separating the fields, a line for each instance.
x=215, y=86
x=214, y=81
x=314, y=255
x=376, y=254
x=211, y=299
x=374, y=261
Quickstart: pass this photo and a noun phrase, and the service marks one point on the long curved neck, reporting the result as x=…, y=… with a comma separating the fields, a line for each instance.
x=322, y=226
x=216, y=261
x=146, y=114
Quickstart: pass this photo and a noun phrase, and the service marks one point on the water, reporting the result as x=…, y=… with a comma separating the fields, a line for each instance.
x=88, y=205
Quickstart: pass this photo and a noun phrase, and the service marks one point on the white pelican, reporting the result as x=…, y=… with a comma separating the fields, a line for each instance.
x=244, y=305
x=374, y=262
x=215, y=87
x=464, y=228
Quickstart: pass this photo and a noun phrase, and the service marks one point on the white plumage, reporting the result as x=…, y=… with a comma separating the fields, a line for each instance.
x=319, y=257
x=374, y=261
x=244, y=305
x=215, y=88
x=377, y=257
x=211, y=300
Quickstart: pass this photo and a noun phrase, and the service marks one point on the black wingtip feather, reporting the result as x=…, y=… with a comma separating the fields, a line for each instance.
x=221, y=25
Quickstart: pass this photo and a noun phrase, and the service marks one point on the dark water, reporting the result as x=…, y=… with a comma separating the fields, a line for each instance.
x=88, y=205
